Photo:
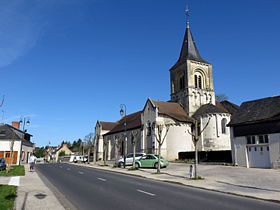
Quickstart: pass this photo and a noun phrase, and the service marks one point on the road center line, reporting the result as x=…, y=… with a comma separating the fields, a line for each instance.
x=80, y=172
x=141, y=191
x=104, y=180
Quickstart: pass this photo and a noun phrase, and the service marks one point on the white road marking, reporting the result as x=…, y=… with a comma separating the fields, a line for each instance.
x=80, y=172
x=68, y=169
x=141, y=191
x=14, y=181
x=104, y=180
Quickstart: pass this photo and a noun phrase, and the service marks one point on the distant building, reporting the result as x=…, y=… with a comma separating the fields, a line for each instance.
x=22, y=147
x=255, y=135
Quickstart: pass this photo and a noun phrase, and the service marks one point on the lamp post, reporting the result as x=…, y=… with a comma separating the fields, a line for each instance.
x=24, y=121
x=123, y=112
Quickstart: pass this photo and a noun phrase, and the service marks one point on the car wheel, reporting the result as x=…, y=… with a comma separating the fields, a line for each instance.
x=122, y=165
x=137, y=165
x=156, y=165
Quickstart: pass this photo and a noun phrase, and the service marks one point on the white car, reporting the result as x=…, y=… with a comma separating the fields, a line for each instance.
x=129, y=159
x=75, y=159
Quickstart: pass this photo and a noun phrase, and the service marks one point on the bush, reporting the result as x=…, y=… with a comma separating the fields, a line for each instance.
x=62, y=153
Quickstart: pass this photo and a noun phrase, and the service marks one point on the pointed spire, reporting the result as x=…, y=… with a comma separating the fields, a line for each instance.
x=189, y=50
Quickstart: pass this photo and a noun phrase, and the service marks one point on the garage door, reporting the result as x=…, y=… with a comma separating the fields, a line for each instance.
x=259, y=156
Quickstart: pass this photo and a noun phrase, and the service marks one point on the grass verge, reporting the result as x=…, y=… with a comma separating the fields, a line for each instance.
x=14, y=171
x=7, y=196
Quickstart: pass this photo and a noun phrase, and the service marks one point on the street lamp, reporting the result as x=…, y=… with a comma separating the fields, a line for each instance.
x=24, y=121
x=123, y=112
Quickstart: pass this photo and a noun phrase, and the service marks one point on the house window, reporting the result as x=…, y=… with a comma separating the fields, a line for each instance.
x=263, y=139
x=2, y=133
x=224, y=122
x=251, y=140
x=195, y=81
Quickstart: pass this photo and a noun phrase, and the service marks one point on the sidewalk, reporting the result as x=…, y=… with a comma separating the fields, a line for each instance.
x=32, y=193
x=251, y=182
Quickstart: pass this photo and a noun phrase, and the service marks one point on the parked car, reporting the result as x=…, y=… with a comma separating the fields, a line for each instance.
x=2, y=164
x=150, y=161
x=77, y=158
x=40, y=160
x=129, y=159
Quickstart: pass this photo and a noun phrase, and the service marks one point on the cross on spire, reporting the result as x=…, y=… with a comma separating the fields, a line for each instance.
x=187, y=15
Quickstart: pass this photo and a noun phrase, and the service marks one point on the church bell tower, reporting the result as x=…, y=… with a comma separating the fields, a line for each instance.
x=191, y=77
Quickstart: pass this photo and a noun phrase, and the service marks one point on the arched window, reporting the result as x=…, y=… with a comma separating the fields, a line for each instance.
x=149, y=129
x=224, y=122
x=182, y=82
x=198, y=80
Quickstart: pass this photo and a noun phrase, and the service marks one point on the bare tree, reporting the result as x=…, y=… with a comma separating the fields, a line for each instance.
x=117, y=146
x=221, y=97
x=160, y=132
x=196, y=136
x=94, y=148
x=134, y=135
x=88, y=144
x=11, y=152
x=2, y=101
x=105, y=149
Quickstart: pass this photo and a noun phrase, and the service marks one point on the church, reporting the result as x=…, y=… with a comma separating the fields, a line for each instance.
x=192, y=99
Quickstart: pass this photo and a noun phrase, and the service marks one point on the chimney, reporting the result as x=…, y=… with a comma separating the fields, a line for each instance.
x=15, y=124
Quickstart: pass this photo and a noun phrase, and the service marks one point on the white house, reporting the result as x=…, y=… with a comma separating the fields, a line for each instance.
x=255, y=135
x=22, y=146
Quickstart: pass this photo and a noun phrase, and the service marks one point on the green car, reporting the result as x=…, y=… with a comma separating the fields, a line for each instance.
x=150, y=161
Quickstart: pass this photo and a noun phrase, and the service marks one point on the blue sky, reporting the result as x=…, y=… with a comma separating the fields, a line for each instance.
x=66, y=63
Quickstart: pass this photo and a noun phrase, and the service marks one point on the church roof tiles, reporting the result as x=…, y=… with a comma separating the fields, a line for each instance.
x=173, y=110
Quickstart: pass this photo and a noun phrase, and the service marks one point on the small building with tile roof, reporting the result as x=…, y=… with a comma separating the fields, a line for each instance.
x=255, y=135
x=22, y=146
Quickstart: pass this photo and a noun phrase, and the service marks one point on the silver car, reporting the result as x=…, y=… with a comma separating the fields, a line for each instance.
x=129, y=159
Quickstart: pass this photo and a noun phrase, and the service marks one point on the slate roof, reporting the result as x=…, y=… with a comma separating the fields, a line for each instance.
x=108, y=125
x=227, y=106
x=189, y=50
x=173, y=110
x=133, y=121
x=9, y=132
x=208, y=109
x=261, y=110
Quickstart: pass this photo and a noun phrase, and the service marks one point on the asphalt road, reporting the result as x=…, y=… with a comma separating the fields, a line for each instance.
x=88, y=188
